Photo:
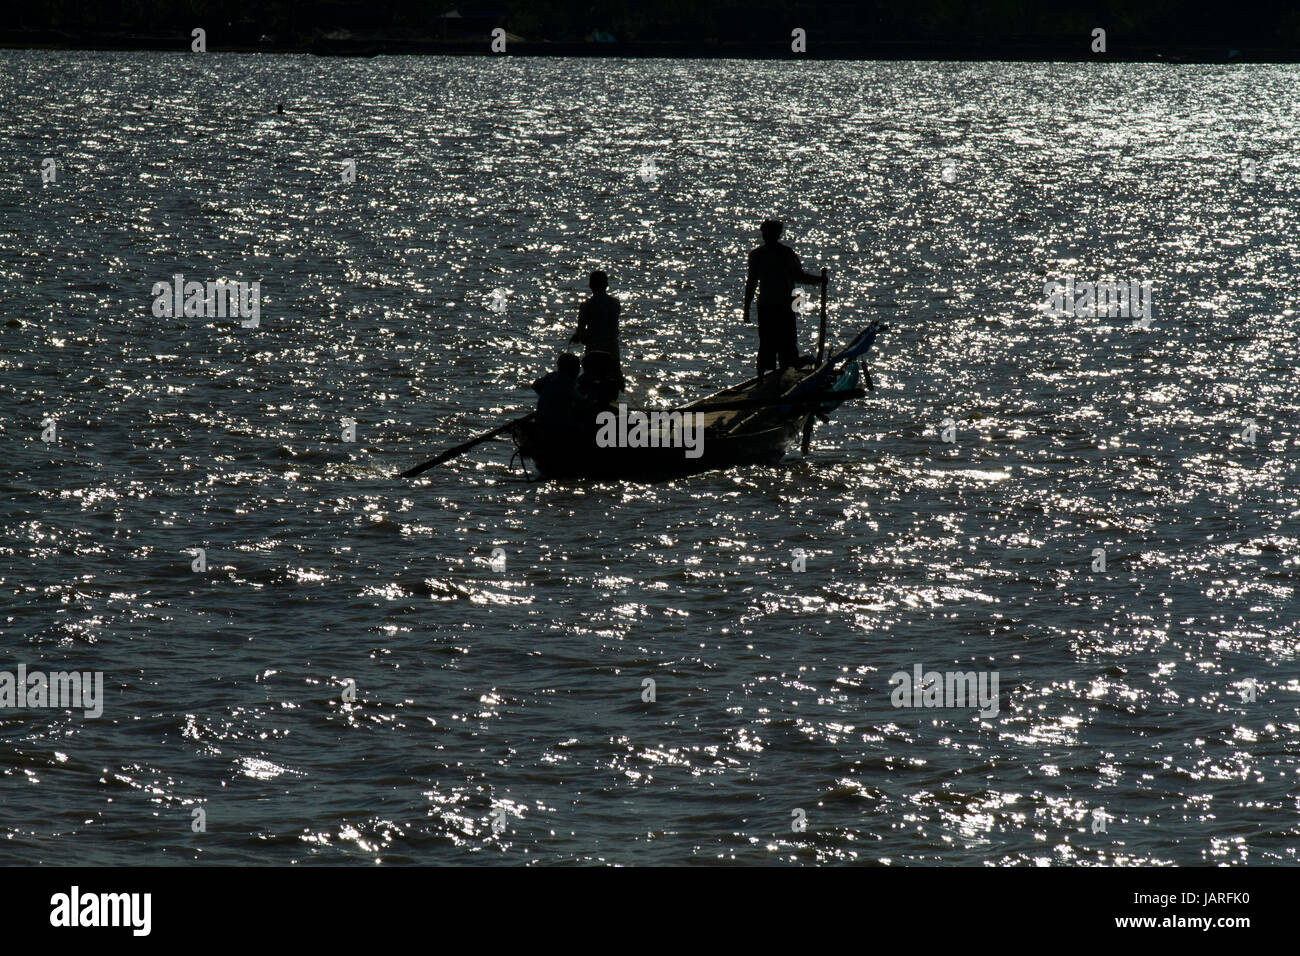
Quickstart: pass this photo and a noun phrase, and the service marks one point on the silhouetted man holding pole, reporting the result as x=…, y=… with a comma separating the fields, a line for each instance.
x=773, y=270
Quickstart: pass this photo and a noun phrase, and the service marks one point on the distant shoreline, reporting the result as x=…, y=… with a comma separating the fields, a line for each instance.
x=366, y=46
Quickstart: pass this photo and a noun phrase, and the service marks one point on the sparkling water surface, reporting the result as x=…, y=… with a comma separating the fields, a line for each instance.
x=940, y=196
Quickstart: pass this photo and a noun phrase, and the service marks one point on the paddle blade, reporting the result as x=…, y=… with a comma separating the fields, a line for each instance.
x=807, y=435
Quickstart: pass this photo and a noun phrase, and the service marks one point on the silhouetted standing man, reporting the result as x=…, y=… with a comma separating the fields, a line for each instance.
x=774, y=269
x=598, y=321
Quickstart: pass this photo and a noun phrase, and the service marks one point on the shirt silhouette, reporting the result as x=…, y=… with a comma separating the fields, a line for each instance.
x=598, y=321
x=774, y=269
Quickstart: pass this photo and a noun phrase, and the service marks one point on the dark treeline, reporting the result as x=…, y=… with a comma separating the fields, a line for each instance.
x=920, y=26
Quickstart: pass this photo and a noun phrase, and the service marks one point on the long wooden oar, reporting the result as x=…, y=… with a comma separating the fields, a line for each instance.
x=819, y=399
x=463, y=447
x=821, y=350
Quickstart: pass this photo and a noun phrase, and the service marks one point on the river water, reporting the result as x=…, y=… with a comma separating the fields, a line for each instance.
x=1099, y=513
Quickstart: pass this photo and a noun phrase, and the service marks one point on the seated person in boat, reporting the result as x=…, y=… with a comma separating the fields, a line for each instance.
x=598, y=319
x=558, y=401
x=773, y=271
x=600, y=382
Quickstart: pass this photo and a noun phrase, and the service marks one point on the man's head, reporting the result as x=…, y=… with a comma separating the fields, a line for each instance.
x=772, y=229
x=568, y=364
x=599, y=282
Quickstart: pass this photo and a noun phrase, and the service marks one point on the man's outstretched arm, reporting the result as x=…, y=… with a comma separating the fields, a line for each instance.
x=581, y=334
x=808, y=278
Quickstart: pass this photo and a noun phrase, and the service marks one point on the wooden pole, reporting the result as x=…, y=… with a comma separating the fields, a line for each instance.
x=818, y=399
x=821, y=332
x=463, y=447
x=821, y=352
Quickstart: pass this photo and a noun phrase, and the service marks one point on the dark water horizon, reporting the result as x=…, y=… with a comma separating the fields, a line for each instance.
x=352, y=679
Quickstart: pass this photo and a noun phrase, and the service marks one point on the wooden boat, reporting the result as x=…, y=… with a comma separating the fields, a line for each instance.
x=753, y=423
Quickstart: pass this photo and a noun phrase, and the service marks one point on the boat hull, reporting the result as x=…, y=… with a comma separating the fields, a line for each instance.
x=558, y=456
x=752, y=423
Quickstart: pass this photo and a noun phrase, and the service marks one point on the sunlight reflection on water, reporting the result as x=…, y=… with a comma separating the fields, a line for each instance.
x=475, y=689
